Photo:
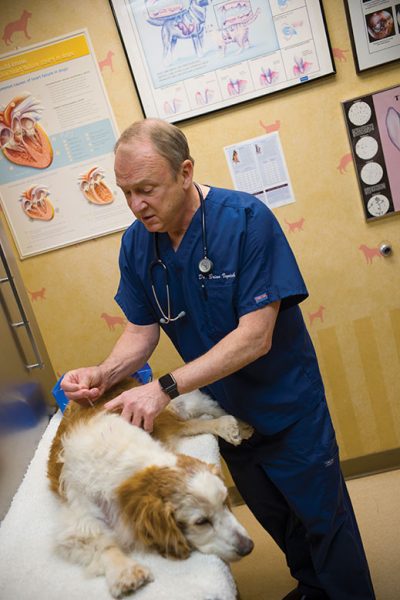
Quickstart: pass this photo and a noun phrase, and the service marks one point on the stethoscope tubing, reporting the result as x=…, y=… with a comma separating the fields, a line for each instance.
x=205, y=265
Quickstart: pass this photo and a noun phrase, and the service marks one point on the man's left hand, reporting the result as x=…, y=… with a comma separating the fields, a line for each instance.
x=140, y=405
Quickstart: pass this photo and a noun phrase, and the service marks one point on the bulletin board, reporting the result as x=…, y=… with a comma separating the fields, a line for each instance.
x=373, y=126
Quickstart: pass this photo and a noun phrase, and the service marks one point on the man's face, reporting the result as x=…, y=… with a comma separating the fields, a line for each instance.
x=155, y=195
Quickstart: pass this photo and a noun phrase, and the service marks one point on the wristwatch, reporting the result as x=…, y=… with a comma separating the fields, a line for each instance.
x=168, y=385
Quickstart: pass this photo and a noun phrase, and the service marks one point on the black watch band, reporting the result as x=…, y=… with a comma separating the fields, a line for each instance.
x=169, y=386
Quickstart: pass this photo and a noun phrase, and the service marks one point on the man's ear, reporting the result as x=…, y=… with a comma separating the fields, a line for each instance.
x=187, y=173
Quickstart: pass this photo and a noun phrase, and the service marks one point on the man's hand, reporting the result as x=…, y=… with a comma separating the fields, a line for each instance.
x=140, y=405
x=84, y=385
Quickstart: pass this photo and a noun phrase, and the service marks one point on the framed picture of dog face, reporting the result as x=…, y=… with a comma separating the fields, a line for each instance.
x=374, y=31
x=373, y=126
x=191, y=57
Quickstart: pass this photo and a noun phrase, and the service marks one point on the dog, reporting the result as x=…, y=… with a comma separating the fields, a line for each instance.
x=122, y=489
x=187, y=24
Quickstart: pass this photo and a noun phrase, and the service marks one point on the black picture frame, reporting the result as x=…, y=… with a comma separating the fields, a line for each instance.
x=374, y=34
x=193, y=86
x=373, y=128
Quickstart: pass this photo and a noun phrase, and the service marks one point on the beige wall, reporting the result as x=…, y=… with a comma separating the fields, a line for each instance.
x=358, y=341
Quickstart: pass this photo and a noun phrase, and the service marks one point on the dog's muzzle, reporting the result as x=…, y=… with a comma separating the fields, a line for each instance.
x=244, y=545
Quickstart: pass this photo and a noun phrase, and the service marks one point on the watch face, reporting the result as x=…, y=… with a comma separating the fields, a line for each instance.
x=359, y=113
x=366, y=147
x=371, y=173
x=169, y=385
x=378, y=205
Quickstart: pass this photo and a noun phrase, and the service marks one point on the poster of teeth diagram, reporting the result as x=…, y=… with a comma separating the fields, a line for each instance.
x=190, y=57
x=373, y=126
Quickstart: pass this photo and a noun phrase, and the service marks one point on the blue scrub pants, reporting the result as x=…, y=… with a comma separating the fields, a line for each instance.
x=292, y=483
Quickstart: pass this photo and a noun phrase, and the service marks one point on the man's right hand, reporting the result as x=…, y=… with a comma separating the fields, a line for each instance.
x=84, y=385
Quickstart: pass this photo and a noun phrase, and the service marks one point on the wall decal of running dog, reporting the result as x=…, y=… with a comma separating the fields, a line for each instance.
x=186, y=24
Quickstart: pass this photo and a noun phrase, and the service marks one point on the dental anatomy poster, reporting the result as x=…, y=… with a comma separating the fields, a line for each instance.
x=190, y=57
x=258, y=167
x=57, y=134
x=373, y=126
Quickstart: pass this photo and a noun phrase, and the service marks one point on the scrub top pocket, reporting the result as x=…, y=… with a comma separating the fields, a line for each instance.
x=219, y=307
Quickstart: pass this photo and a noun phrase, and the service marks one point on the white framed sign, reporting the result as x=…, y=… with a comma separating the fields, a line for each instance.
x=57, y=133
x=191, y=57
x=374, y=27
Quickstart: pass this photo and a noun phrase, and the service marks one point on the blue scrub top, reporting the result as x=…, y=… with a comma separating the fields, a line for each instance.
x=253, y=266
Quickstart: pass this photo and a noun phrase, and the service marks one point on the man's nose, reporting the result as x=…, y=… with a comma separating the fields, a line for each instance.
x=136, y=203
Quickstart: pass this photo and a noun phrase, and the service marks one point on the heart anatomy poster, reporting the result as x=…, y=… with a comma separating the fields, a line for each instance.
x=57, y=133
x=373, y=125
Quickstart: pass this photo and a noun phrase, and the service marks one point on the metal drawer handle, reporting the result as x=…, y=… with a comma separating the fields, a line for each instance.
x=24, y=321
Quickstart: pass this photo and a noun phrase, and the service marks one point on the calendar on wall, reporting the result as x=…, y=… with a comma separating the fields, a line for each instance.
x=373, y=126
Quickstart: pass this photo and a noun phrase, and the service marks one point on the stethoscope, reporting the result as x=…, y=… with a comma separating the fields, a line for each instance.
x=205, y=266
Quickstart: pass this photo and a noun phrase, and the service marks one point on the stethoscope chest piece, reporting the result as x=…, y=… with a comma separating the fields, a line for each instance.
x=205, y=266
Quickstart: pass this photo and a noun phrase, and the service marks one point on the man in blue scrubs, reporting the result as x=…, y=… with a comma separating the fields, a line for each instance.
x=213, y=268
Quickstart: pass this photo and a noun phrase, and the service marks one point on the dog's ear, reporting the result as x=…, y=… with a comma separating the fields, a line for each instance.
x=149, y=514
x=157, y=528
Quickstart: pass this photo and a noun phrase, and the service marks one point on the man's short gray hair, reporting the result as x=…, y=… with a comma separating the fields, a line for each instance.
x=169, y=141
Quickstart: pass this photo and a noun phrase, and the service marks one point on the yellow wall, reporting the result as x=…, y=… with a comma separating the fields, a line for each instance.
x=358, y=341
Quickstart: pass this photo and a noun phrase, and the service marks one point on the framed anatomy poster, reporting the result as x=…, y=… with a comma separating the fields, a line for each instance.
x=57, y=133
x=373, y=125
x=374, y=27
x=191, y=57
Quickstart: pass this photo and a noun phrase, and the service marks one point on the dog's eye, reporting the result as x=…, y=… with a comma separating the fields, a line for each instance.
x=202, y=521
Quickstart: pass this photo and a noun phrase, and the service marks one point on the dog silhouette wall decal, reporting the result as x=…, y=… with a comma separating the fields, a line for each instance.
x=344, y=162
x=318, y=314
x=107, y=61
x=296, y=225
x=20, y=24
x=369, y=253
x=38, y=294
x=112, y=321
x=271, y=127
x=340, y=54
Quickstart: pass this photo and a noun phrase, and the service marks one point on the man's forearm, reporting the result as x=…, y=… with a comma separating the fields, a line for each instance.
x=129, y=354
x=250, y=340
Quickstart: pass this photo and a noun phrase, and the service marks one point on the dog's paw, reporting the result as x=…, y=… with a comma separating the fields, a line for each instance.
x=180, y=408
x=246, y=430
x=228, y=429
x=128, y=579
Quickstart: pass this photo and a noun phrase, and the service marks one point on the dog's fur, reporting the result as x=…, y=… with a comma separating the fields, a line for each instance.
x=122, y=489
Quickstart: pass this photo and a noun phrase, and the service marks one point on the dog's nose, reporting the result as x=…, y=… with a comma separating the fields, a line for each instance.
x=245, y=545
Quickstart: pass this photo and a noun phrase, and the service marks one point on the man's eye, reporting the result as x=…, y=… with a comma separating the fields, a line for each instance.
x=202, y=521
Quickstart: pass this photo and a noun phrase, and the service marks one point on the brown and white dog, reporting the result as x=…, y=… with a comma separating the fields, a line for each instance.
x=123, y=489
